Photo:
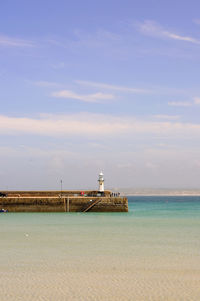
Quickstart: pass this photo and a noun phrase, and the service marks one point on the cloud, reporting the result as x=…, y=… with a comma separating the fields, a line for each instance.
x=196, y=21
x=197, y=100
x=151, y=166
x=152, y=28
x=96, y=97
x=100, y=39
x=53, y=125
x=107, y=44
x=60, y=65
x=169, y=117
x=14, y=42
x=45, y=84
x=179, y=104
x=95, y=125
x=111, y=87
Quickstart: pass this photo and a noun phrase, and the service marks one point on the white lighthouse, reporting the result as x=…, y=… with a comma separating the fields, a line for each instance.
x=101, y=182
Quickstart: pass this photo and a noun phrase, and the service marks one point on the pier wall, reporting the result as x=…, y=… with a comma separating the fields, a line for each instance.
x=40, y=202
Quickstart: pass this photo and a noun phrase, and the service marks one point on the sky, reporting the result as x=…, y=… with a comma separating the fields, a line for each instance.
x=103, y=85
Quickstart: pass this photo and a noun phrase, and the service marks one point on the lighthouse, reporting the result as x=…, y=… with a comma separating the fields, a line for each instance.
x=101, y=182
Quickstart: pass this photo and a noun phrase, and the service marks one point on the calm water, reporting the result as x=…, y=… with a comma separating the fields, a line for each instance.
x=150, y=253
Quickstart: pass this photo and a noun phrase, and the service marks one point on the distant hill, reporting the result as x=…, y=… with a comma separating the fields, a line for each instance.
x=149, y=191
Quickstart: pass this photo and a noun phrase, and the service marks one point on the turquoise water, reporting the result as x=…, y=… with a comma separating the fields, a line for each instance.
x=51, y=254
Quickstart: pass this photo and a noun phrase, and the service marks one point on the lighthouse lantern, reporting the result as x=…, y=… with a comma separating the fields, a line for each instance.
x=101, y=182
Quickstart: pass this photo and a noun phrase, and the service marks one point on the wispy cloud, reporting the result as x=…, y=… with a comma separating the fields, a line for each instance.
x=196, y=21
x=103, y=41
x=167, y=117
x=53, y=125
x=152, y=28
x=100, y=39
x=197, y=100
x=96, y=125
x=179, y=103
x=111, y=87
x=59, y=65
x=65, y=93
x=14, y=42
x=96, y=97
x=46, y=84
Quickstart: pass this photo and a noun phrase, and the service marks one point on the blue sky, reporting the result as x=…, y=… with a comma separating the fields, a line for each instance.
x=111, y=85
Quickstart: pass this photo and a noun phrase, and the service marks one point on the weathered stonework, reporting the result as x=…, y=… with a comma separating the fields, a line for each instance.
x=67, y=201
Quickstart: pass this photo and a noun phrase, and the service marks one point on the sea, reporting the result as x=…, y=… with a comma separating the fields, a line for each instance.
x=150, y=253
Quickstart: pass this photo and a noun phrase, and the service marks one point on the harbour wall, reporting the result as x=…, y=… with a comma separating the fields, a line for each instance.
x=55, y=201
